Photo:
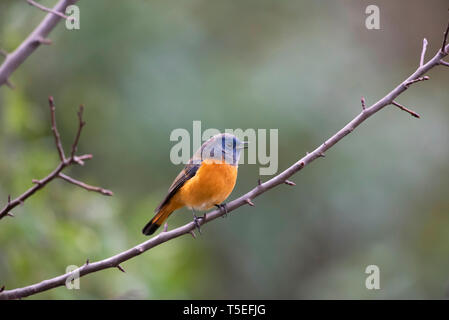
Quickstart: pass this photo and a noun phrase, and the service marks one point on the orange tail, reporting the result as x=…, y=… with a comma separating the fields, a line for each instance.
x=159, y=219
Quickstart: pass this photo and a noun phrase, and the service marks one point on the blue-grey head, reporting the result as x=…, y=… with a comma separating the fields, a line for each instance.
x=223, y=147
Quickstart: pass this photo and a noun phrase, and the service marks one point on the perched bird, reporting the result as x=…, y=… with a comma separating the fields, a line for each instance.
x=206, y=181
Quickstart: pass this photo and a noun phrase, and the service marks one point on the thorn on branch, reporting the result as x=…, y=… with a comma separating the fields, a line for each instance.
x=248, y=201
x=3, y=53
x=42, y=40
x=2, y=288
x=413, y=113
x=35, y=181
x=259, y=182
x=363, y=103
x=10, y=84
x=166, y=227
x=321, y=155
x=193, y=234
x=423, y=52
x=290, y=183
x=87, y=262
x=120, y=268
x=416, y=80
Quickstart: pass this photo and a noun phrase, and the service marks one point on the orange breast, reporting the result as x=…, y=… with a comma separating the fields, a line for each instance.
x=212, y=184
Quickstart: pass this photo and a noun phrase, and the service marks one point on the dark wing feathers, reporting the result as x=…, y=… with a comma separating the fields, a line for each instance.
x=187, y=173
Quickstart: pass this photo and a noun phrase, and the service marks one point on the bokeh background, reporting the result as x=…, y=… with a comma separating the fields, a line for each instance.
x=144, y=68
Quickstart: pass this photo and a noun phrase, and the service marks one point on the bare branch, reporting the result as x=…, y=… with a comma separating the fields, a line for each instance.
x=423, y=52
x=400, y=106
x=282, y=178
x=57, y=172
x=444, y=63
x=83, y=185
x=37, y=37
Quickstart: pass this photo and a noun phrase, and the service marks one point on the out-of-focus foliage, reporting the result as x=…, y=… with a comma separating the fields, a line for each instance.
x=144, y=68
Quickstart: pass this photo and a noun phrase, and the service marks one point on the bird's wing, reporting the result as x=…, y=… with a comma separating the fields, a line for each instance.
x=187, y=173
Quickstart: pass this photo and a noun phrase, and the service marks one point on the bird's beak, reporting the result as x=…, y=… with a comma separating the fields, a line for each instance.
x=243, y=145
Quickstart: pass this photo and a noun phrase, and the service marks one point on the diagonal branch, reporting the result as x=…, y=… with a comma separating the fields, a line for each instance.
x=57, y=172
x=14, y=59
x=246, y=199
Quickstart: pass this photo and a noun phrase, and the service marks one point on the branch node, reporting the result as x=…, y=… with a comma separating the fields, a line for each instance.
x=2, y=288
x=321, y=155
x=411, y=112
x=444, y=63
x=35, y=181
x=290, y=183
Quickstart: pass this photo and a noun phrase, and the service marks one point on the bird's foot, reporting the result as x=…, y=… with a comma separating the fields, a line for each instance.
x=223, y=208
x=196, y=222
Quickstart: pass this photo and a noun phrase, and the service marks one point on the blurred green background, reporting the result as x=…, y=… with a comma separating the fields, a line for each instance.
x=144, y=68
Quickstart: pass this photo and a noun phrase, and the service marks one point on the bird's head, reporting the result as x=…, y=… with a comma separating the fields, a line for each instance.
x=223, y=147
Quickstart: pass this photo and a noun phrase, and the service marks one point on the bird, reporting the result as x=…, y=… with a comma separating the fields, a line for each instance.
x=206, y=181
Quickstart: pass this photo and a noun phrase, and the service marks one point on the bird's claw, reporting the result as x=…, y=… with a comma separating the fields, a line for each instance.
x=223, y=208
x=197, y=224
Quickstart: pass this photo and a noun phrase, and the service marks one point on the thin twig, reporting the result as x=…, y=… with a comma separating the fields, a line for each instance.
x=81, y=124
x=416, y=80
x=54, y=128
x=423, y=52
x=41, y=7
x=83, y=185
x=400, y=106
x=277, y=180
x=443, y=47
